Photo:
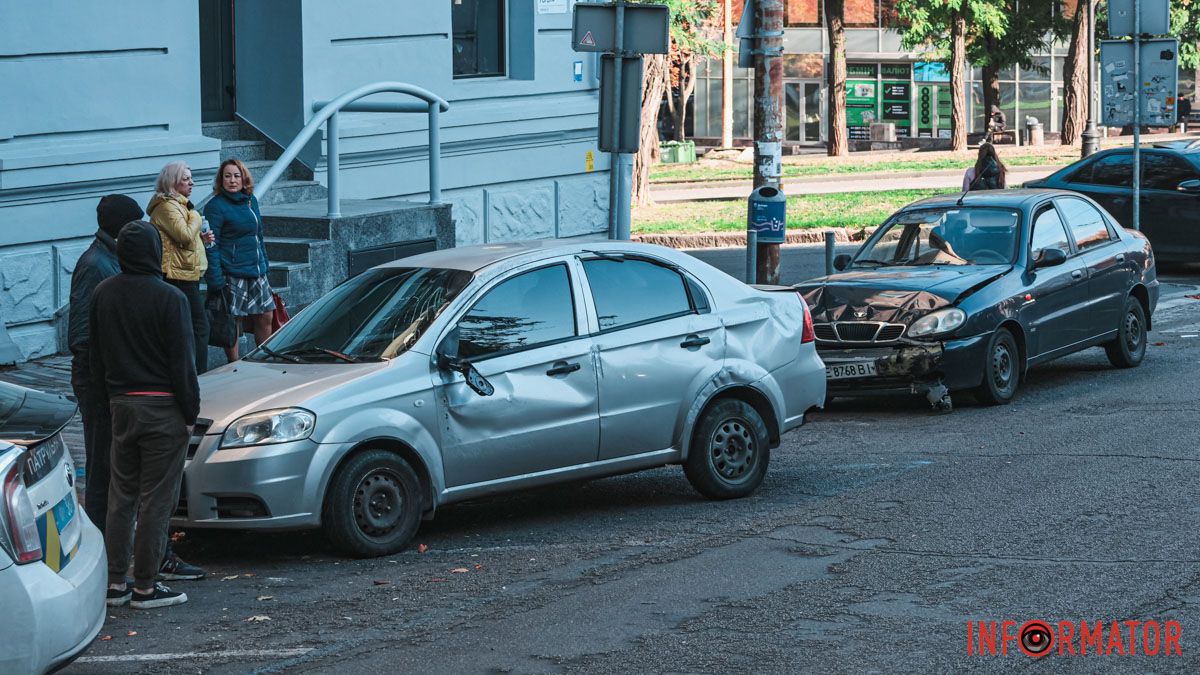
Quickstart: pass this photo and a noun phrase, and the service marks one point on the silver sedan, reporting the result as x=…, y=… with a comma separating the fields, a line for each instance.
x=479, y=370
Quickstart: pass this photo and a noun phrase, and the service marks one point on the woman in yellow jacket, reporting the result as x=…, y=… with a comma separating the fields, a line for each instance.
x=184, y=261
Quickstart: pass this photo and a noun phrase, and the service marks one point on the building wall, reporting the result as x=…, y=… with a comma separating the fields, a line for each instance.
x=517, y=143
x=97, y=96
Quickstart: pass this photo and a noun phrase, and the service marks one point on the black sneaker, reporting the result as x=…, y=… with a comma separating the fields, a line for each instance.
x=161, y=597
x=175, y=569
x=118, y=598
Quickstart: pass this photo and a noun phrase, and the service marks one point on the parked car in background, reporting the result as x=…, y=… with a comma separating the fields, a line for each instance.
x=53, y=570
x=1170, y=212
x=478, y=370
x=966, y=292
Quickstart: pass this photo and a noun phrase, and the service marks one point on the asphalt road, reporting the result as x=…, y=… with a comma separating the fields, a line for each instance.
x=881, y=530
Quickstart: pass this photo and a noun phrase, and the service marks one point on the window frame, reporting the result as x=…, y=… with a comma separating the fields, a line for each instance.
x=1091, y=167
x=579, y=332
x=685, y=278
x=505, y=36
x=1051, y=205
x=1175, y=159
x=1113, y=236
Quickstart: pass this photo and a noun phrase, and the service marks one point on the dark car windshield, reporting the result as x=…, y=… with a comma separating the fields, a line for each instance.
x=958, y=235
x=376, y=315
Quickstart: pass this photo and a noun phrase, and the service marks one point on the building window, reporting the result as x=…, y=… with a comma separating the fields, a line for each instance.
x=479, y=38
x=861, y=13
x=803, y=13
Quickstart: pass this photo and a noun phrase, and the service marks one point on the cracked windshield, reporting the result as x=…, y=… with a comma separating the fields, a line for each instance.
x=961, y=236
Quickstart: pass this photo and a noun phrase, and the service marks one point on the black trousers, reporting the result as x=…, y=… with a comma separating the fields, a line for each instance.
x=97, y=444
x=199, y=320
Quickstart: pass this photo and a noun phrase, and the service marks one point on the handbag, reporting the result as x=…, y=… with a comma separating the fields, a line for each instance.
x=280, y=316
x=222, y=326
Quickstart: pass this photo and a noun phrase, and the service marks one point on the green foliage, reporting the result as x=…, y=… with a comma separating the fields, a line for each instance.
x=688, y=20
x=925, y=24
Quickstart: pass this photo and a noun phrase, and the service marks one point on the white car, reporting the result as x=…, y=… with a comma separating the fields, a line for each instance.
x=53, y=570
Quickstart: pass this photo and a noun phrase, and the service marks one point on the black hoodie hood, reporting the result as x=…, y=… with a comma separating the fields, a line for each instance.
x=139, y=249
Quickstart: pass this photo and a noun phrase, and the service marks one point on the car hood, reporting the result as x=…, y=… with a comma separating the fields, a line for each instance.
x=893, y=294
x=244, y=387
x=28, y=416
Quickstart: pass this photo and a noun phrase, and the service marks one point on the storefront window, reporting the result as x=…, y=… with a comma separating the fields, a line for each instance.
x=1035, y=102
x=811, y=66
x=1039, y=71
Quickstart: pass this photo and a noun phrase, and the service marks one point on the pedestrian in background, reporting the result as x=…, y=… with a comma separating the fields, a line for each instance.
x=997, y=123
x=989, y=173
x=183, y=256
x=140, y=353
x=240, y=264
x=1185, y=111
x=98, y=262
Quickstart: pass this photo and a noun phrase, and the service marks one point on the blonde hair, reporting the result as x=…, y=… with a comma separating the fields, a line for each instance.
x=247, y=179
x=169, y=176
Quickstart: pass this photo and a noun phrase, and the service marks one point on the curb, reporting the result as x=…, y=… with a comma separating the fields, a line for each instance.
x=822, y=178
x=738, y=239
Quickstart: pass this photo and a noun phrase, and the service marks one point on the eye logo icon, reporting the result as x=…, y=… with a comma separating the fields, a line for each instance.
x=1036, y=639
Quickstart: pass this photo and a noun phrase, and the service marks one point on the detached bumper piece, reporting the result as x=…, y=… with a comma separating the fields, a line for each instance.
x=933, y=370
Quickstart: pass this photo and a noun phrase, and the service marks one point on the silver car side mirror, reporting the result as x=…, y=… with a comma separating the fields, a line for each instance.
x=448, y=359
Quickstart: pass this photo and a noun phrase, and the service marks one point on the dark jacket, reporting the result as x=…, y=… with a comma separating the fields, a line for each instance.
x=141, y=327
x=96, y=264
x=237, y=224
x=989, y=178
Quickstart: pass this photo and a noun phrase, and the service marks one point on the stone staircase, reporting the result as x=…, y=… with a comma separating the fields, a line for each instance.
x=309, y=252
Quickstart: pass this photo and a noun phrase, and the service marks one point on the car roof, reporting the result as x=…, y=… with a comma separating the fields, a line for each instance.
x=1010, y=199
x=480, y=256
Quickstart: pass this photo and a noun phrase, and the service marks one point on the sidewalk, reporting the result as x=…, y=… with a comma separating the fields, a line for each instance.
x=949, y=179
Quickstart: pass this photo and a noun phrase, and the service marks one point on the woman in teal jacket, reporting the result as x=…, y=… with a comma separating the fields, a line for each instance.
x=240, y=261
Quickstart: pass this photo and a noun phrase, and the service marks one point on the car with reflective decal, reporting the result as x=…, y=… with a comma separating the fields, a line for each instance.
x=53, y=568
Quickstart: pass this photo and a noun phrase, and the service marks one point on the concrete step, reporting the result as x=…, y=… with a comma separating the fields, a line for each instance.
x=295, y=171
x=247, y=151
x=226, y=131
x=280, y=273
x=292, y=249
x=292, y=191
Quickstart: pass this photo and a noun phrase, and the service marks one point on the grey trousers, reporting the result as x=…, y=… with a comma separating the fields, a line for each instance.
x=149, y=446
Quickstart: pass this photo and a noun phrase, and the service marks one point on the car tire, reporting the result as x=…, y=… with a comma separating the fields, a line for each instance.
x=1129, y=347
x=1001, y=369
x=730, y=450
x=373, y=506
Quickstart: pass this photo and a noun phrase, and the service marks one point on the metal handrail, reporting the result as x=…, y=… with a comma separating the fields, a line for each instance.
x=327, y=113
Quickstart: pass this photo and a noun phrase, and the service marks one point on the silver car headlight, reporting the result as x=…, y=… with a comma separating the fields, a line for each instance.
x=941, y=321
x=269, y=426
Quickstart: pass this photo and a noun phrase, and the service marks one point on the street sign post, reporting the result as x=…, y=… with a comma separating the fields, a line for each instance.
x=622, y=32
x=1127, y=18
x=1159, y=61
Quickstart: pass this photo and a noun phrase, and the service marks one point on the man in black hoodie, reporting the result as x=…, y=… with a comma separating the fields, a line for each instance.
x=141, y=354
x=96, y=264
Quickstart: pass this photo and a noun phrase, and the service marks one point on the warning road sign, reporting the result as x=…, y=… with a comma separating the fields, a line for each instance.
x=587, y=40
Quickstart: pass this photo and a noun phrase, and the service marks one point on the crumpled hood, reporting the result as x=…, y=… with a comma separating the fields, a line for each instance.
x=244, y=387
x=896, y=295
x=139, y=249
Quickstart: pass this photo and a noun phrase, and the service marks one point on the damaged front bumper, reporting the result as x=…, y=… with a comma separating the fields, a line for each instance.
x=911, y=367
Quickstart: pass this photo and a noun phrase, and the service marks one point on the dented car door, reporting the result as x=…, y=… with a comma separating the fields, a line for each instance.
x=524, y=337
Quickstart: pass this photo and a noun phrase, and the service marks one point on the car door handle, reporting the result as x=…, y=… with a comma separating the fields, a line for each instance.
x=694, y=341
x=1077, y=274
x=562, y=368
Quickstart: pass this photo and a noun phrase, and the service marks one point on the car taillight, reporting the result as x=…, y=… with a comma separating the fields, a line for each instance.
x=809, y=335
x=22, y=522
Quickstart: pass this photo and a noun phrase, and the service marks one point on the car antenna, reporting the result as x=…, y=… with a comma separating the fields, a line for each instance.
x=961, y=197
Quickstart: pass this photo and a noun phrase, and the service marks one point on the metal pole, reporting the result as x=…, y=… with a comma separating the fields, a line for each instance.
x=829, y=241
x=768, y=122
x=1091, y=137
x=625, y=164
x=751, y=255
x=727, y=77
x=333, y=166
x=615, y=164
x=435, y=154
x=1137, y=114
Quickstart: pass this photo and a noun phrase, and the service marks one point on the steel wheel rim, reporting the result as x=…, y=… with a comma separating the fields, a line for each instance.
x=1002, y=367
x=732, y=450
x=378, y=503
x=1133, y=332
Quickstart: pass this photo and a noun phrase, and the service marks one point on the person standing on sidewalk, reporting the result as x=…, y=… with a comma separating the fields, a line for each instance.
x=989, y=173
x=183, y=257
x=97, y=263
x=141, y=354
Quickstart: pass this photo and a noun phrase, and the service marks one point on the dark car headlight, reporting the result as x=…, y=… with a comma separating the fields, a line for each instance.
x=269, y=426
x=936, y=323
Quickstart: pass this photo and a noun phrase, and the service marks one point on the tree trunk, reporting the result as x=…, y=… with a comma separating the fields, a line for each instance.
x=654, y=85
x=958, y=72
x=1075, y=87
x=839, y=136
x=991, y=79
x=687, y=86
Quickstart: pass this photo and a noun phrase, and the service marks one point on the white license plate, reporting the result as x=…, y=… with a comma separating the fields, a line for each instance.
x=842, y=371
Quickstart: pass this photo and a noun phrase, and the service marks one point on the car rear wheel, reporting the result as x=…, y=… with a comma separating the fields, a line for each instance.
x=373, y=506
x=1129, y=347
x=1001, y=369
x=730, y=451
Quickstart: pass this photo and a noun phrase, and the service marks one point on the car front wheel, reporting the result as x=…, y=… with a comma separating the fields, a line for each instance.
x=1129, y=347
x=373, y=506
x=1001, y=369
x=729, y=451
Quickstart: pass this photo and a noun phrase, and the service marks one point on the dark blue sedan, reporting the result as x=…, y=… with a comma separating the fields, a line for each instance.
x=967, y=292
